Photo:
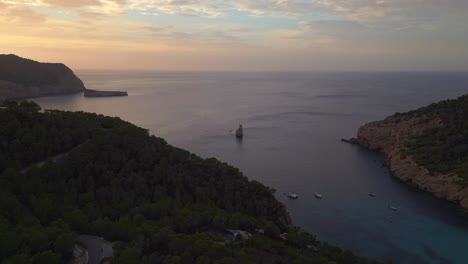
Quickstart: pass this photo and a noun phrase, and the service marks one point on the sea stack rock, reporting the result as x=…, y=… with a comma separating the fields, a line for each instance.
x=239, y=132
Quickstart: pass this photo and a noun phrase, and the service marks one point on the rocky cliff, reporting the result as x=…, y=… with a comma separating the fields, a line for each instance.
x=390, y=136
x=20, y=78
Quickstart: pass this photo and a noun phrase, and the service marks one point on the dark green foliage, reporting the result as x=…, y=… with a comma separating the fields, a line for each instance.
x=64, y=173
x=443, y=149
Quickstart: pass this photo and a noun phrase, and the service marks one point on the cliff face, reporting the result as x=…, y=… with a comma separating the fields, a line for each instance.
x=20, y=78
x=389, y=136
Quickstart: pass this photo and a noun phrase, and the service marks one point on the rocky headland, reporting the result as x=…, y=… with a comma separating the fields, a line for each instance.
x=392, y=136
x=22, y=78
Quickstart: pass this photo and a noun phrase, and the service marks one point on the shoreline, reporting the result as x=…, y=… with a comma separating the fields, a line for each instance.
x=96, y=93
x=387, y=136
x=25, y=98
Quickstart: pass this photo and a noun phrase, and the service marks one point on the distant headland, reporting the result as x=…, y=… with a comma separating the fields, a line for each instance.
x=25, y=78
x=94, y=93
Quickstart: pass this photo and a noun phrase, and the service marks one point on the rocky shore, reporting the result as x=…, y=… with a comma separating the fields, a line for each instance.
x=94, y=93
x=389, y=135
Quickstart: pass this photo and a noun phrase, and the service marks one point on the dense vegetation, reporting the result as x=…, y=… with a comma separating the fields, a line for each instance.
x=443, y=149
x=64, y=173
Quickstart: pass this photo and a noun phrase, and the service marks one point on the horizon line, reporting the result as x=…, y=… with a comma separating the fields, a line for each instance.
x=274, y=71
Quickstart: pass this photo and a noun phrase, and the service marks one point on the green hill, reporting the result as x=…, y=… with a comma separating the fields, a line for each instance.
x=444, y=148
x=426, y=148
x=64, y=174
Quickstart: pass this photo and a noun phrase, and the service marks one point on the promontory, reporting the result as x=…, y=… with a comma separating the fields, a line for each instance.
x=427, y=148
x=21, y=78
x=24, y=78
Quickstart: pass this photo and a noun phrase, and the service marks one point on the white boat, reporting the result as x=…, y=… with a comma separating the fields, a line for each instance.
x=292, y=195
x=393, y=208
x=318, y=195
x=372, y=194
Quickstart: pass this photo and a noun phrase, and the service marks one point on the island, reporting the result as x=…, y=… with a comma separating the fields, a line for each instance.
x=24, y=78
x=427, y=148
x=73, y=183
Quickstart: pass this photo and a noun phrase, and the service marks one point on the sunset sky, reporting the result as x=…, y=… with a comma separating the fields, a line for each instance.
x=318, y=35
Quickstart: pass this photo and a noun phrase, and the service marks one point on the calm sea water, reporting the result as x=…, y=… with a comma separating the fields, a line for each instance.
x=293, y=123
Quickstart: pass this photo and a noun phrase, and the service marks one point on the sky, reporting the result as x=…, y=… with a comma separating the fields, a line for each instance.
x=240, y=35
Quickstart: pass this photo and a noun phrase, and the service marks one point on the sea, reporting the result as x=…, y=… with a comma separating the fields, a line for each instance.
x=293, y=123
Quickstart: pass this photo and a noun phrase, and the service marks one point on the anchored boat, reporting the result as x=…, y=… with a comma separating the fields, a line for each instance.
x=292, y=195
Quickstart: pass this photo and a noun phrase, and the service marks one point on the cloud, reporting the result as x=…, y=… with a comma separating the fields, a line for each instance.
x=331, y=26
x=22, y=2
x=20, y=16
x=220, y=8
x=78, y=6
x=154, y=29
x=277, y=8
x=91, y=15
x=368, y=12
x=398, y=14
x=302, y=31
x=287, y=34
x=180, y=7
x=71, y=4
x=231, y=27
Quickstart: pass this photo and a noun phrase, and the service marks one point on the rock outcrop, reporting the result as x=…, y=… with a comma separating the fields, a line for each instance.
x=240, y=132
x=389, y=135
x=23, y=78
x=94, y=93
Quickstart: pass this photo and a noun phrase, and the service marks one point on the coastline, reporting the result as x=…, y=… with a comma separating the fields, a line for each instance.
x=359, y=167
x=93, y=94
x=388, y=135
x=96, y=93
x=38, y=96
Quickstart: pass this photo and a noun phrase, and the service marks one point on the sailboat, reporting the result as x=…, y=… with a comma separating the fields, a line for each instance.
x=292, y=195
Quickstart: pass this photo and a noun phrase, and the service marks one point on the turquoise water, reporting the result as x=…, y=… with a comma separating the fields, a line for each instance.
x=293, y=123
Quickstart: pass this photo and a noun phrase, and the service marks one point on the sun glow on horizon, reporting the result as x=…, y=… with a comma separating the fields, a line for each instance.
x=239, y=35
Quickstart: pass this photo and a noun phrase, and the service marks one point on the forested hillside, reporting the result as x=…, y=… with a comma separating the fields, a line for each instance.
x=443, y=149
x=64, y=174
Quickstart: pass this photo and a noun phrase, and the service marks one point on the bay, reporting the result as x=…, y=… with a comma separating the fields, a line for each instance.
x=293, y=123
